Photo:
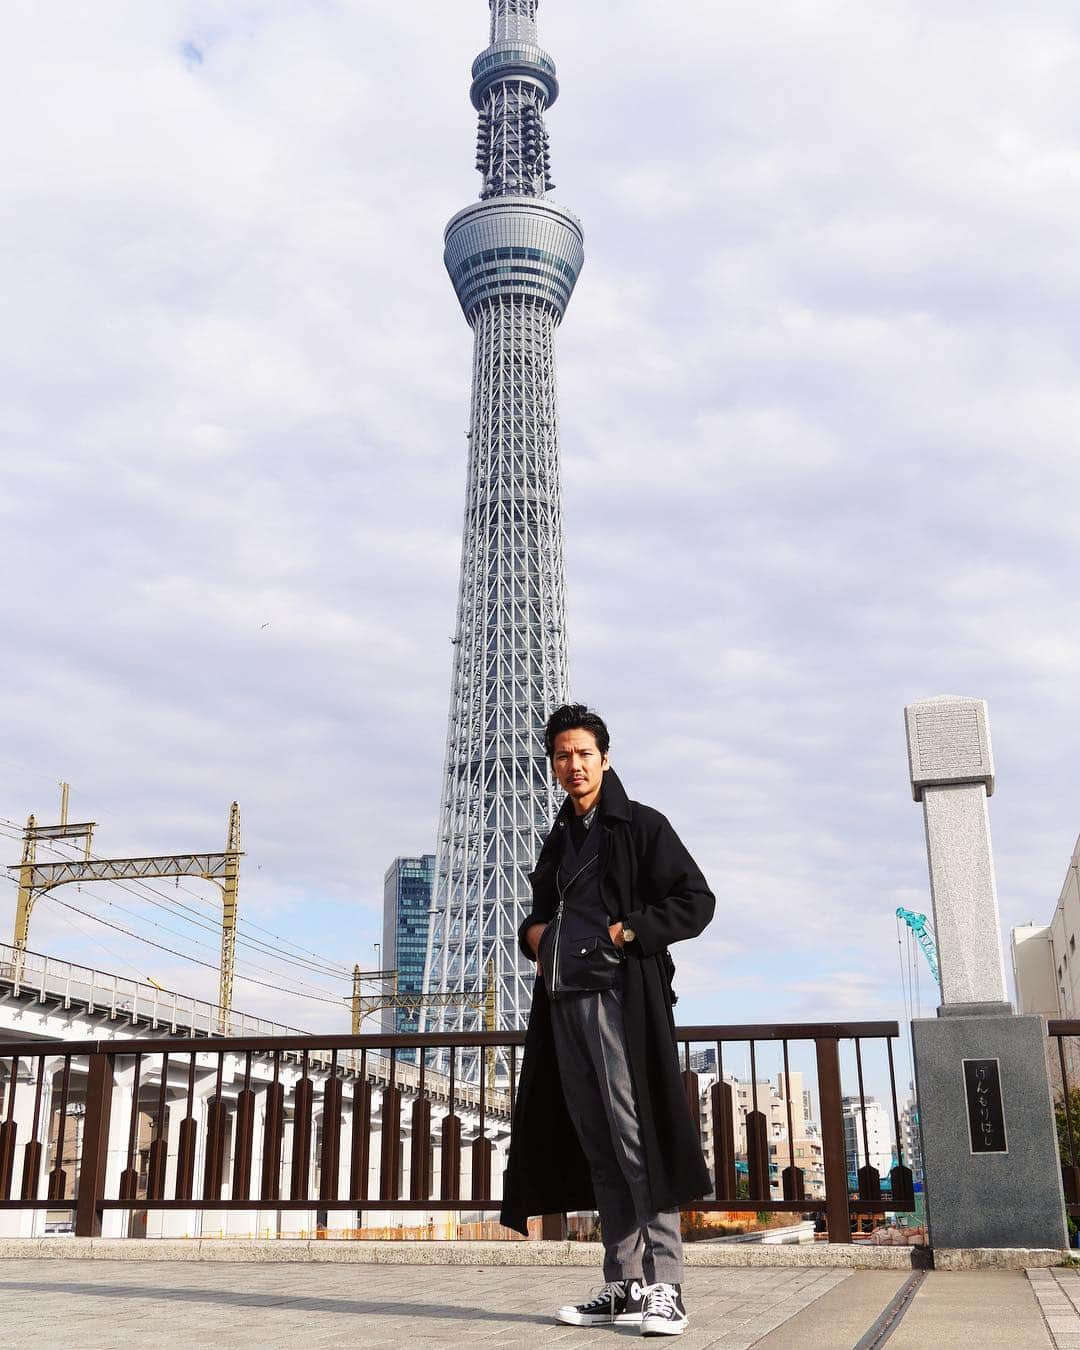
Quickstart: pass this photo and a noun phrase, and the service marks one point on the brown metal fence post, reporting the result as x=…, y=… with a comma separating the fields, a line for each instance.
x=217, y=1121
x=303, y=1103
x=450, y=1139
x=185, y=1152
x=330, y=1153
x=420, y=1159
x=8, y=1133
x=58, y=1177
x=32, y=1155
x=553, y=1228
x=723, y=1114
x=693, y=1098
x=837, y=1213
x=390, y=1156
x=273, y=1133
x=245, y=1130
x=158, y=1158
x=129, y=1177
x=757, y=1156
x=360, y=1154
x=95, y=1149
x=450, y=1183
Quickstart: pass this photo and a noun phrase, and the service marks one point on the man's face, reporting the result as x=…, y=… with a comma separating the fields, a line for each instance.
x=579, y=766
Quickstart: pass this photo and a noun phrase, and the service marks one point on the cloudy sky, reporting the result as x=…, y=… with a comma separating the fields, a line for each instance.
x=819, y=426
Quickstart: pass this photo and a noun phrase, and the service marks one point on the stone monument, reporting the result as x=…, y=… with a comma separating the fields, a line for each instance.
x=990, y=1156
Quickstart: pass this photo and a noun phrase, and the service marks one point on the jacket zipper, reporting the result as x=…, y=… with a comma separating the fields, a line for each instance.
x=558, y=922
x=555, y=953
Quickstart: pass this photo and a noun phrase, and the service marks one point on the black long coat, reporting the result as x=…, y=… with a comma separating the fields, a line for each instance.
x=651, y=883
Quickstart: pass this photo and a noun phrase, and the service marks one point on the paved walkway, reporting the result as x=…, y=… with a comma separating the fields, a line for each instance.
x=103, y=1304
x=1058, y=1292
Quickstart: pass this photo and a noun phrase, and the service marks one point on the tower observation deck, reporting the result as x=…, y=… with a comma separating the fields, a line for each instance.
x=514, y=259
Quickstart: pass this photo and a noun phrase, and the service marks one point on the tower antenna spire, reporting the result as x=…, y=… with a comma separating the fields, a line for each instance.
x=513, y=20
x=514, y=84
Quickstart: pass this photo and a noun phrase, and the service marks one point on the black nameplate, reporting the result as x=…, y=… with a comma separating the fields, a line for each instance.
x=986, y=1118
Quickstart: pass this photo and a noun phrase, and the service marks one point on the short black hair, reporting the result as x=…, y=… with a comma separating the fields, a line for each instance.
x=571, y=717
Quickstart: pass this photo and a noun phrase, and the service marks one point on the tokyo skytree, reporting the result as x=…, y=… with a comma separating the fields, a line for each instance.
x=514, y=259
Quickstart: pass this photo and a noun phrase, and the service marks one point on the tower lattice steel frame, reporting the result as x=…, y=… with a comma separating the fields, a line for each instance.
x=514, y=259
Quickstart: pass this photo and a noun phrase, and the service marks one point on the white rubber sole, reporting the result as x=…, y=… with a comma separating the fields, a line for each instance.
x=660, y=1326
x=570, y=1317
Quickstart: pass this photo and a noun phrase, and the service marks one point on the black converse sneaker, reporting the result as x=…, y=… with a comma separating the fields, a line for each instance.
x=663, y=1313
x=619, y=1301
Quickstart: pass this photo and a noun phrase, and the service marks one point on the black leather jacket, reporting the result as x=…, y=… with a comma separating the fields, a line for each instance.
x=648, y=880
x=577, y=954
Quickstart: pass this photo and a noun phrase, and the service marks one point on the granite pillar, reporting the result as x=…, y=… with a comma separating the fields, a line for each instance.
x=990, y=1157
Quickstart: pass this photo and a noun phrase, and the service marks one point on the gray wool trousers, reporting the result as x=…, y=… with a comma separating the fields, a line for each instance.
x=590, y=1046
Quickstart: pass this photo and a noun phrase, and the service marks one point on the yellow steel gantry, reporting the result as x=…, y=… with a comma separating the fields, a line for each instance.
x=230, y=888
x=28, y=869
x=364, y=1006
x=36, y=879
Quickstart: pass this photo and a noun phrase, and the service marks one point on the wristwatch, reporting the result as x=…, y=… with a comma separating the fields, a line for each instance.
x=628, y=934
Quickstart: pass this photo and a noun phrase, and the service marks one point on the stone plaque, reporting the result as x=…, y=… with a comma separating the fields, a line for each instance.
x=948, y=743
x=986, y=1116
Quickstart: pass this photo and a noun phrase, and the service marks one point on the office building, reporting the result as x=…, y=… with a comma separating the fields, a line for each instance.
x=406, y=909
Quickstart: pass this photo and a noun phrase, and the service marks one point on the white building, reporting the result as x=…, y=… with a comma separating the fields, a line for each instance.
x=911, y=1140
x=878, y=1137
x=1046, y=968
x=1046, y=963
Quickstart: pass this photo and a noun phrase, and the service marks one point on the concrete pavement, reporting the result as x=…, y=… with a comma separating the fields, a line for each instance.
x=99, y=1304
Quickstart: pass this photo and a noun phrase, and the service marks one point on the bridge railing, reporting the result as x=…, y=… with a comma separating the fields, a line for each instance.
x=46, y=978
x=1063, y=1064
x=380, y=1123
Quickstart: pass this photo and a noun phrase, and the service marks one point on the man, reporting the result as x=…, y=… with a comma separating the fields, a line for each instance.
x=601, y=1118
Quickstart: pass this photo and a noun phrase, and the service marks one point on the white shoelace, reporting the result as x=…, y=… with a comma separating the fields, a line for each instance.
x=611, y=1291
x=660, y=1301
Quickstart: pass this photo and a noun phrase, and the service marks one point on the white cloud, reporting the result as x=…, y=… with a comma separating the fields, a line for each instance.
x=819, y=416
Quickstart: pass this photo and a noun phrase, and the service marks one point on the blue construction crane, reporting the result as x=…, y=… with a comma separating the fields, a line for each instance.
x=925, y=938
